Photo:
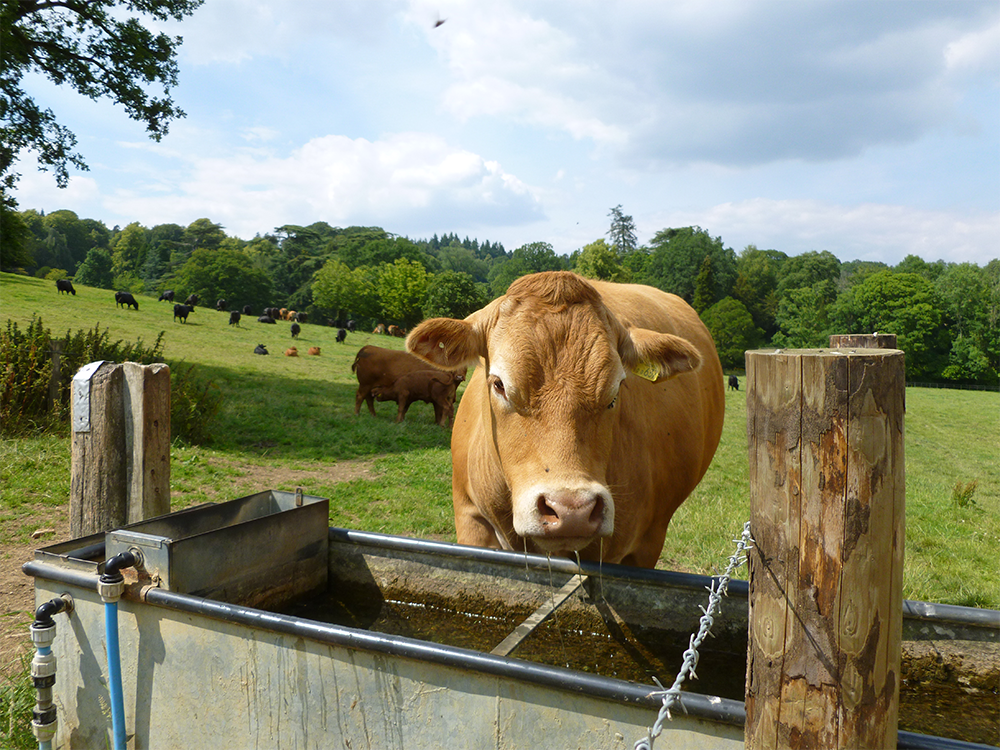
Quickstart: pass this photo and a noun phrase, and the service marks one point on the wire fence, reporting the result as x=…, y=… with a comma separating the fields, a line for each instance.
x=718, y=589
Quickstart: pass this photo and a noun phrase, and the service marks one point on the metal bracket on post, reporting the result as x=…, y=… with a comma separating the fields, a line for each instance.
x=81, y=395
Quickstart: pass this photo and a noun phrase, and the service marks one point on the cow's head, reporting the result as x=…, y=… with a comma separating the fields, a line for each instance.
x=557, y=365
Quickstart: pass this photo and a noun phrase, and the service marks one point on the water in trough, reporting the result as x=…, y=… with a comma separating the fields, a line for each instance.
x=932, y=699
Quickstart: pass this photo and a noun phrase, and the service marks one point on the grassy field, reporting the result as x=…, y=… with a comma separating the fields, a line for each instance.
x=289, y=422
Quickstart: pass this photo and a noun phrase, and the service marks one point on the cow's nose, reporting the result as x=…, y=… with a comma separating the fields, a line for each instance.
x=570, y=514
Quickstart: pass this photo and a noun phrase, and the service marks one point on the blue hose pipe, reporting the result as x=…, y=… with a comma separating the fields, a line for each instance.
x=110, y=586
x=115, y=676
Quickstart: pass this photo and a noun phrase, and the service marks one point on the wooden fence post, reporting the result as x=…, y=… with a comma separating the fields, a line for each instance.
x=147, y=426
x=120, y=471
x=825, y=435
x=98, y=490
x=863, y=341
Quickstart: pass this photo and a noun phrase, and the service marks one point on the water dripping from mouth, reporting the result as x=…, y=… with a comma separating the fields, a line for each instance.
x=555, y=614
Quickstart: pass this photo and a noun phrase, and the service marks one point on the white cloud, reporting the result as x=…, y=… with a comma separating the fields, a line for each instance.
x=410, y=179
x=868, y=231
x=976, y=52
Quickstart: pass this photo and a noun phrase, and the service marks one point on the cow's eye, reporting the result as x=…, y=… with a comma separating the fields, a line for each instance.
x=613, y=402
x=498, y=388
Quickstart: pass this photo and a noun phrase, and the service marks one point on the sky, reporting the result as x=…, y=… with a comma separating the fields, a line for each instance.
x=869, y=129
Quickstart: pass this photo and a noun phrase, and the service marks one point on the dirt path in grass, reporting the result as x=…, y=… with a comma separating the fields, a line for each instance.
x=48, y=525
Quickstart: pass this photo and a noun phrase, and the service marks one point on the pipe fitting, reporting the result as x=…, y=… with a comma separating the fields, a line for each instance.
x=44, y=613
x=111, y=584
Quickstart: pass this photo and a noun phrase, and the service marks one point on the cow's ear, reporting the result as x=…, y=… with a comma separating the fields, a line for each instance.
x=658, y=356
x=448, y=343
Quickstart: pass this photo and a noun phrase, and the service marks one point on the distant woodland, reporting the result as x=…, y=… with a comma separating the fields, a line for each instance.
x=946, y=316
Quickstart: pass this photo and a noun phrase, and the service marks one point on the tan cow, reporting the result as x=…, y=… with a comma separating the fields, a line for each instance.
x=594, y=412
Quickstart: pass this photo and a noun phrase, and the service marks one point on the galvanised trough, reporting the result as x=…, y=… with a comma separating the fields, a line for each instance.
x=231, y=635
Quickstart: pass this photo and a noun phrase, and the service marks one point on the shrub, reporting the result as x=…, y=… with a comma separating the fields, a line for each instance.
x=33, y=400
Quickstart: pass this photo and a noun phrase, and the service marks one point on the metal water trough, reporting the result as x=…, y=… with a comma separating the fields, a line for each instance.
x=234, y=636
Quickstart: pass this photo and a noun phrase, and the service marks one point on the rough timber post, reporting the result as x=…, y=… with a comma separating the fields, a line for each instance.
x=863, y=341
x=147, y=429
x=120, y=470
x=825, y=435
x=98, y=495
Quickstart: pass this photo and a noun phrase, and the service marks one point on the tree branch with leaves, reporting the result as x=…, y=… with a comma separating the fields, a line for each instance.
x=89, y=47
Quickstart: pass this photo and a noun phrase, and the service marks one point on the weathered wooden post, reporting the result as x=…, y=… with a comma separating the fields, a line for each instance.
x=863, y=341
x=825, y=433
x=120, y=455
x=147, y=426
x=98, y=491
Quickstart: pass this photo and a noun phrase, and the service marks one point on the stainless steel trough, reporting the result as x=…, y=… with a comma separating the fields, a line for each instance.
x=214, y=656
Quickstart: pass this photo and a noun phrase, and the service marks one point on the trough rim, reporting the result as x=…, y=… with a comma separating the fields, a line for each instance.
x=709, y=708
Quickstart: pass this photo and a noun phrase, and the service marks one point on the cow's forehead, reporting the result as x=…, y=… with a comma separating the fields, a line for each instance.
x=542, y=346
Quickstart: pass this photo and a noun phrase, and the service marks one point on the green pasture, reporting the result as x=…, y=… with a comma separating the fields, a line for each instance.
x=289, y=422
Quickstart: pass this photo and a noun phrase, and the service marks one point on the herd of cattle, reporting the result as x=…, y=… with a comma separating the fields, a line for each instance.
x=593, y=411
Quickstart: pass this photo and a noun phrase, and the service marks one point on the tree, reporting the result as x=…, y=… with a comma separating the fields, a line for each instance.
x=96, y=270
x=622, y=232
x=99, y=51
x=402, y=290
x=598, y=261
x=906, y=304
x=342, y=291
x=733, y=329
x=224, y=274
x=202, y=233
x=452, y=294
x=14, y=236
x=130, y=248
x=757, y=283
x=704, y=287
x=531, y=258
x=675, y=259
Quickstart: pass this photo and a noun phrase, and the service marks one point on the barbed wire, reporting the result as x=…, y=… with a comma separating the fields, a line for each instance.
x=718, y=588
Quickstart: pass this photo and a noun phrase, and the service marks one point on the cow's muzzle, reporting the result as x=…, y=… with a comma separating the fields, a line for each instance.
x=565, y=519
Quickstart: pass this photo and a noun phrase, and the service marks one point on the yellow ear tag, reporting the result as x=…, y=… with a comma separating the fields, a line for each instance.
x=647, y=370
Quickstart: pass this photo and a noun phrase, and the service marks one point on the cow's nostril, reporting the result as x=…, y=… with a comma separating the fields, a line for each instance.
x=546, y=512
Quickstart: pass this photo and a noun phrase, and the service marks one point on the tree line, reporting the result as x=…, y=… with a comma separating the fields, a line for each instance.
x=946, y=316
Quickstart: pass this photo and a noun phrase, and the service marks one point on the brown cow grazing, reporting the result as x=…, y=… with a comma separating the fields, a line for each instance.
x=380, y=328
x=436, y=387
x=291, y=352
x=314, y=350
x=594, y=412
x=397, y=332
x=379, y=368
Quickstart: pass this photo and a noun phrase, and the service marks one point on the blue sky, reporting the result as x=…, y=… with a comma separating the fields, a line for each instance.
x=870, y=129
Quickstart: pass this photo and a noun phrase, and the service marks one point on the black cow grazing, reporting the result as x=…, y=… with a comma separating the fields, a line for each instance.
x=296, y=330
x=301, y=317
x=247, y=310
x=65, y=285
x=341, y=335
x=265, y=319
x=181, y=311
x=351, y=326
x=191, y=301
x=259, y=349
x=234, y=318
x=220, y=305
x=274, y=312
x=124, y=299
x=734, y=383
x=167, y=296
